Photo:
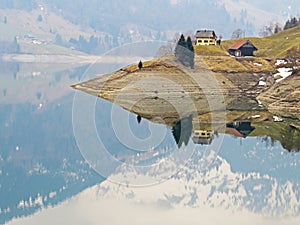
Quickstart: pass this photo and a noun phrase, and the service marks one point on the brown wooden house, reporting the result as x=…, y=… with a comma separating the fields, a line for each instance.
x=242, y=48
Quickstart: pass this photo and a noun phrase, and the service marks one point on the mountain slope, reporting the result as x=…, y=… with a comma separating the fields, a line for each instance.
x=38, y=28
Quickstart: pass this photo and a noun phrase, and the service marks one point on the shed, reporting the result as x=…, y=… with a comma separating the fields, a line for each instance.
x=205, y=37
x=242, y=48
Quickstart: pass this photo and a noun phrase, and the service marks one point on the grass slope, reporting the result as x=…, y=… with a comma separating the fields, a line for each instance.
x=210, y=50
x=217, y=58
x=273, y=46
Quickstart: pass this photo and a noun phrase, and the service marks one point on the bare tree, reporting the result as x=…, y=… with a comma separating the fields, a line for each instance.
x=238, y=33
x=267, y=30
x=176, y=38
x=166, y=49
x=277, y=28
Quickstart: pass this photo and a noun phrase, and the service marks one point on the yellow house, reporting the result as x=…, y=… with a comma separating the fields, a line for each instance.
x=205, y=37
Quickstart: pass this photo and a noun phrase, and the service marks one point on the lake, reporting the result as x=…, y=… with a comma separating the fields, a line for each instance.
x=71, y=158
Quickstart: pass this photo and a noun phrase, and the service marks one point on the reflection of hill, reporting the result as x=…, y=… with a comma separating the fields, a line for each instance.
x=240, y=128
x=39, y=83
x=36, y=83
x=213, y=181
x=283, y=132
x=40, y=164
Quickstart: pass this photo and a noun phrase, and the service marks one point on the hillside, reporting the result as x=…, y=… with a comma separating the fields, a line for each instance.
x=269, y=48
x=164, y=80
x=275, y=45
x=241, y=81
x=39, y=36
x=21, y=22
x=284, y=97
x=131, y=21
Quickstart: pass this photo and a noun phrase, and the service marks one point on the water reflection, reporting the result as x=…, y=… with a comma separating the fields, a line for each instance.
x=270, y=131
x=182, y=131
x=40, y=164
x=203, y=137
x=240, y=128
x=41, y=167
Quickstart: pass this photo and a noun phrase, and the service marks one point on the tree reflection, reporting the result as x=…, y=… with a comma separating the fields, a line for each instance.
x=182, y=130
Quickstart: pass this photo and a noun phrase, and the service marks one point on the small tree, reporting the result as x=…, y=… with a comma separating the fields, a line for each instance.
x=179, y=50
x=190, y=52
x=219, y=40
x=16, y=45
x=184, y=51
x=140, y=65
x=166, y=49
x=238, y=33
x=277, y=28
x=5, y=20
x=293, y=22
x=58, y=39
x=39, y=18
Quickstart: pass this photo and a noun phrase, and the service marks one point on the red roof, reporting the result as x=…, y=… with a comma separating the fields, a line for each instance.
x=239, y=44
x=235, y=132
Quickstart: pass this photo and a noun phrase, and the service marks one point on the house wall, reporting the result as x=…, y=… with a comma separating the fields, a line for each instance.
x=205, y=41
x=247, y=51
x=243, y=51
x=236, y=53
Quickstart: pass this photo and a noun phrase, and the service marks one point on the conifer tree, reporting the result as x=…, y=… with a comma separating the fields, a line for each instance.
x=179, y=50
x=190, y=52
x=184, y=51
x=140, y=65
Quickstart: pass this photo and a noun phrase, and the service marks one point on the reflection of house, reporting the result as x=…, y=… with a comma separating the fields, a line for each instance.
x=242, y=48
x=203, y=137
x=240, y=128
x=205, y=37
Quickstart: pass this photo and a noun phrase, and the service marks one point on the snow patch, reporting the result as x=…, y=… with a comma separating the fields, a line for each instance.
x=277, y=119
x=283, y=73
x=257, y=64
x=281, y=62
x=262, y=83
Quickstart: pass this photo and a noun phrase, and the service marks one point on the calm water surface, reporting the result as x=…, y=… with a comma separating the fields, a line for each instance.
x=48, y=176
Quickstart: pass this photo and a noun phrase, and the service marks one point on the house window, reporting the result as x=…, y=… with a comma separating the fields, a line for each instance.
x=199, y=41
x=205, y=41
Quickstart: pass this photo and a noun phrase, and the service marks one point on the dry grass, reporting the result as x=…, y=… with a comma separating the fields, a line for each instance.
x=258, y=64
x=224, y=64
x=210, y=50
x=273, y=46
